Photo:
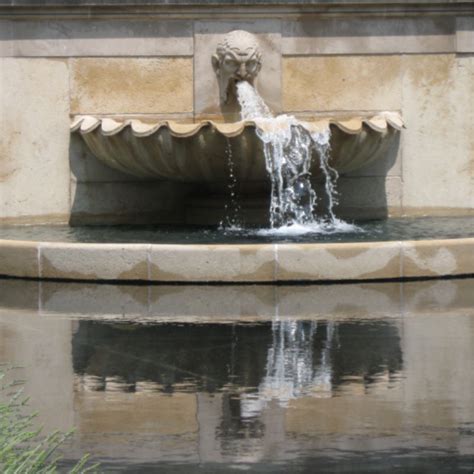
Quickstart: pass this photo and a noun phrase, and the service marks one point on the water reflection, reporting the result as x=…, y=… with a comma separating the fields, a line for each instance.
x=277, y=360
x=289, y=379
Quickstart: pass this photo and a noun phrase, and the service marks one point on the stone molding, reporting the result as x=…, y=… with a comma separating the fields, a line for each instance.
x=226, y=9
x=109, y=36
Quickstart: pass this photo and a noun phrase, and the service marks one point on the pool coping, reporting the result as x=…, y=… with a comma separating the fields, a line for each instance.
x=237, y=263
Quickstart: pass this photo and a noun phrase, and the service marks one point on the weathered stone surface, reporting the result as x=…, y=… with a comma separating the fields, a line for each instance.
x=352, y=261
x=369, y=36
x=212, y=263
x=438, y=257
x=94, y=261
x=19, y=259
x=206, y=89
x=341, y=83
x=34, y=169
x=133, y=85
x=6, y=43
x=465, y=34
x=102, y=38
x=438, y=144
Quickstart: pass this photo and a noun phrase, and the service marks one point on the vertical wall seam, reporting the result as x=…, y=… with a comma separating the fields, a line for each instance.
x=194, y=70
x=38, y=256
x=148, y=264
x=402, y=256
x=275, y=262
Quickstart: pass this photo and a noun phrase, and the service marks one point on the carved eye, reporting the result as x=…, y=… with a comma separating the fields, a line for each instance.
x=230, y=63
x=252, y=65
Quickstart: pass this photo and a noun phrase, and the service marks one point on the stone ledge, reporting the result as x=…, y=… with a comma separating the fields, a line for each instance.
x=265, y=263
x=88, y=9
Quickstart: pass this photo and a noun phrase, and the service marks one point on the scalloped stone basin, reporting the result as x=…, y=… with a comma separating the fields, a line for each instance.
x=197, y=152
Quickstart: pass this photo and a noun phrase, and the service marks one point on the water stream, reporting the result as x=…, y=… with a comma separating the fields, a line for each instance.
x=288, y=149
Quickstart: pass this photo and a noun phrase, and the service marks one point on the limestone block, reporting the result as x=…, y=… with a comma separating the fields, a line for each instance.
x=338, y=261
x=131, y=86
x=19, y=258
x=382, y=35
x=94, y=261
x=207, y=36
x=212, y=263
x=438, y=257
x=6, y=43
x=34, y=169
x=465, y=34
x=103, y=38
x=341, y=83
x=438, y=144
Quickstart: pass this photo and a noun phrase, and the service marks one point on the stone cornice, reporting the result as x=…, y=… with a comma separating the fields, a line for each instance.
x=221, y=9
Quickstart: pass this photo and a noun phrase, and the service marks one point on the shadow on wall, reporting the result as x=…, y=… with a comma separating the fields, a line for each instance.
x=101, y=195
x=371, y=192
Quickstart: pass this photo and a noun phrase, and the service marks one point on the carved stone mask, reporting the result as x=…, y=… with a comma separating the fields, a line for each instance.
x=237, y=58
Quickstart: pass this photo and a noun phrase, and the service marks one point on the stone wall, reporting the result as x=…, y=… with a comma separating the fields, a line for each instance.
x=153, y=61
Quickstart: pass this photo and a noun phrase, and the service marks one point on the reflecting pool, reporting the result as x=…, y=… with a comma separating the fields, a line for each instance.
x=407, y=228
x=323, y=378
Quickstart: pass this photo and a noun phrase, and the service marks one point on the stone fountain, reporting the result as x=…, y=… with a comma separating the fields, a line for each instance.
x=150, y=92
x=196, y=152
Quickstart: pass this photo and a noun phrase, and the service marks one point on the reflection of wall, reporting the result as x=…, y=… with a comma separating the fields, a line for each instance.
x=41, y=349
x=419, y=64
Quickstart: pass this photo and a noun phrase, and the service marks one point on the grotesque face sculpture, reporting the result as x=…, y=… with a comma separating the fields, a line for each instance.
x=237, y=58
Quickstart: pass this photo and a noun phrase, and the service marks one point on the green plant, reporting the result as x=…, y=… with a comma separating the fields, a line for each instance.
x=23, y=448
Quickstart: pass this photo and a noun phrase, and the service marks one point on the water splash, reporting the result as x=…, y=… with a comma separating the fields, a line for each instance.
x=288, y=149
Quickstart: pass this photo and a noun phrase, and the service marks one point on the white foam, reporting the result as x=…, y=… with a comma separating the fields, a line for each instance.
x=317, y=227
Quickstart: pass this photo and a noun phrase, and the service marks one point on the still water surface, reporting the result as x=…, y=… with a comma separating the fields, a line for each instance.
x=364, y=231
x=339, y=378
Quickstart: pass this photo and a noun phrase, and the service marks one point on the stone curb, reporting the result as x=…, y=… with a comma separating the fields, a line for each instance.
x=255, y=263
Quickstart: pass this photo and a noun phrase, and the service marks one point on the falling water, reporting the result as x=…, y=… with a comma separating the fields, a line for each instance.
x=288, y=148
x=322, y=145
x=232, y=209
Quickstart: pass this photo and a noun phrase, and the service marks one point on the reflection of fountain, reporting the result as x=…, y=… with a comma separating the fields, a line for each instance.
x=280, y=361
x=291, y=371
